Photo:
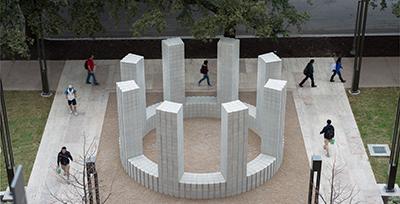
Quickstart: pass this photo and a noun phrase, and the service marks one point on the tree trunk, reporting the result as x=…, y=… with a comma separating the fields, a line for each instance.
x=230, y=32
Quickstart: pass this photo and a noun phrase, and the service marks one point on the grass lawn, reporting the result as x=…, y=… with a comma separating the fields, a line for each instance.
x=27, y=115
x=375, y=111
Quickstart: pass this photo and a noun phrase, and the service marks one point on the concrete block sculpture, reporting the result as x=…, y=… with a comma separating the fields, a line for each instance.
x=236, y=175
x=173, y=63
x=169, y=131
x=234, y=129
x=132, y=68
x=269, y=67
x=228, y=70
x=131, y=117
x=272, y=130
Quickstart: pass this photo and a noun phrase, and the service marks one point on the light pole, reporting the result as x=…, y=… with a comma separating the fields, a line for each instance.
x=394, y=154
x=5, y=138
x=359, y=37
x=41, y=54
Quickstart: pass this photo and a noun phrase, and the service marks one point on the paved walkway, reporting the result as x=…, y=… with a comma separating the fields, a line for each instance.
x=329, y=101
x=24, y=75
x=375, y=71
x=64, y=129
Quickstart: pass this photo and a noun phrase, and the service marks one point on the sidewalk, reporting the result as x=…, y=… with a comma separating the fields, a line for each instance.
x=375, y=71
x=25, y=75
x=329, y=101
x=64, y=129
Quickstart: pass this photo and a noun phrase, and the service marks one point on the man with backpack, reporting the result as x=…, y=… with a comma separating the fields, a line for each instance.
x=204, y=71
x=90, y=67
x=64, y=158
x=70, y=95
x=329, y=134
x=309, y=72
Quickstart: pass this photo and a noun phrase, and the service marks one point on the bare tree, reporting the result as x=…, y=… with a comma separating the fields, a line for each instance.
x=338, y=191
x=79, y=188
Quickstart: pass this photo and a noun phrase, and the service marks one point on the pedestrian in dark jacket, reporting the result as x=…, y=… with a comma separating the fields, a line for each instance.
x=204, y=71
x=329, y=134
x=337, y=70
x=63, y=157
x=309, y=73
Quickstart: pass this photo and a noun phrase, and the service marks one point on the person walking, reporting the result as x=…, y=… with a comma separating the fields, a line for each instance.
x=91, y=66
x=309, y=72
x=329, y=134
x=204, y=71
x=63, y=157
x=70, y=95
x=337, y=70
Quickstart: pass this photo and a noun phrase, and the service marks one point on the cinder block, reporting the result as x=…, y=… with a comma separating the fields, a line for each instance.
x=156, y=184
x=181, y=190
x=188, y=191
x=222, y=190
x=217, y=190
x=193, y=192
x=211, y=190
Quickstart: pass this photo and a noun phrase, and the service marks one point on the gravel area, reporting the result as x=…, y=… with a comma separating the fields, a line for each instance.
x=289, y=184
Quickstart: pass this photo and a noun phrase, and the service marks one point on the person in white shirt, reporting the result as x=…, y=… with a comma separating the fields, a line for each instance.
x=70, y=95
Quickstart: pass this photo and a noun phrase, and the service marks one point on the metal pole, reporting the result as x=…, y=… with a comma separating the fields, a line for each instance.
x=316, y=167
x=5, y=138
x=311, y=186
x=394, y=154
x=43, y=71
x=317, y=184
x=96, y=186
x=89, y=183
x=353, y=49
x=362, y=16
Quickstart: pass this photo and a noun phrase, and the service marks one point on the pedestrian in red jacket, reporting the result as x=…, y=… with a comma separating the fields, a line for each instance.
x=90, y=66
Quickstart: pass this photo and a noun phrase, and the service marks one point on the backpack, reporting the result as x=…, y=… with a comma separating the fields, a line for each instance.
x=306, y=70
x=203, y=70
x=330, y=132
x=86, y=65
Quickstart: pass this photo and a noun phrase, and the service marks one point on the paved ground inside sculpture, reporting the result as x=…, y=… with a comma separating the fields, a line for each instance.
x=120, y=188
x=202, y=145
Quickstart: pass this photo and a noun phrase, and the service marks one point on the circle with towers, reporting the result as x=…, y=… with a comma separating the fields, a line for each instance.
x=235, y=175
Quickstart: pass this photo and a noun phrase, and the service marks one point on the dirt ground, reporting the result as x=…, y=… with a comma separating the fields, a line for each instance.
x=288, y=186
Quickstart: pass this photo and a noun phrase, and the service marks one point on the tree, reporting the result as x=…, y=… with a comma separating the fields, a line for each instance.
x=338, y=191
x=12, y=30
x=24, y=23
x=209, y=18
x=383, y=4
x=79, y=188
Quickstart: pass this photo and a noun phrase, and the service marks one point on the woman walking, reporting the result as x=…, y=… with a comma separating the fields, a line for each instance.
x=337, y=70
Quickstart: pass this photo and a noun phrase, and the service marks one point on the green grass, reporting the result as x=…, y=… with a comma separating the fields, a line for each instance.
x=27, y=115
x=375, y=111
